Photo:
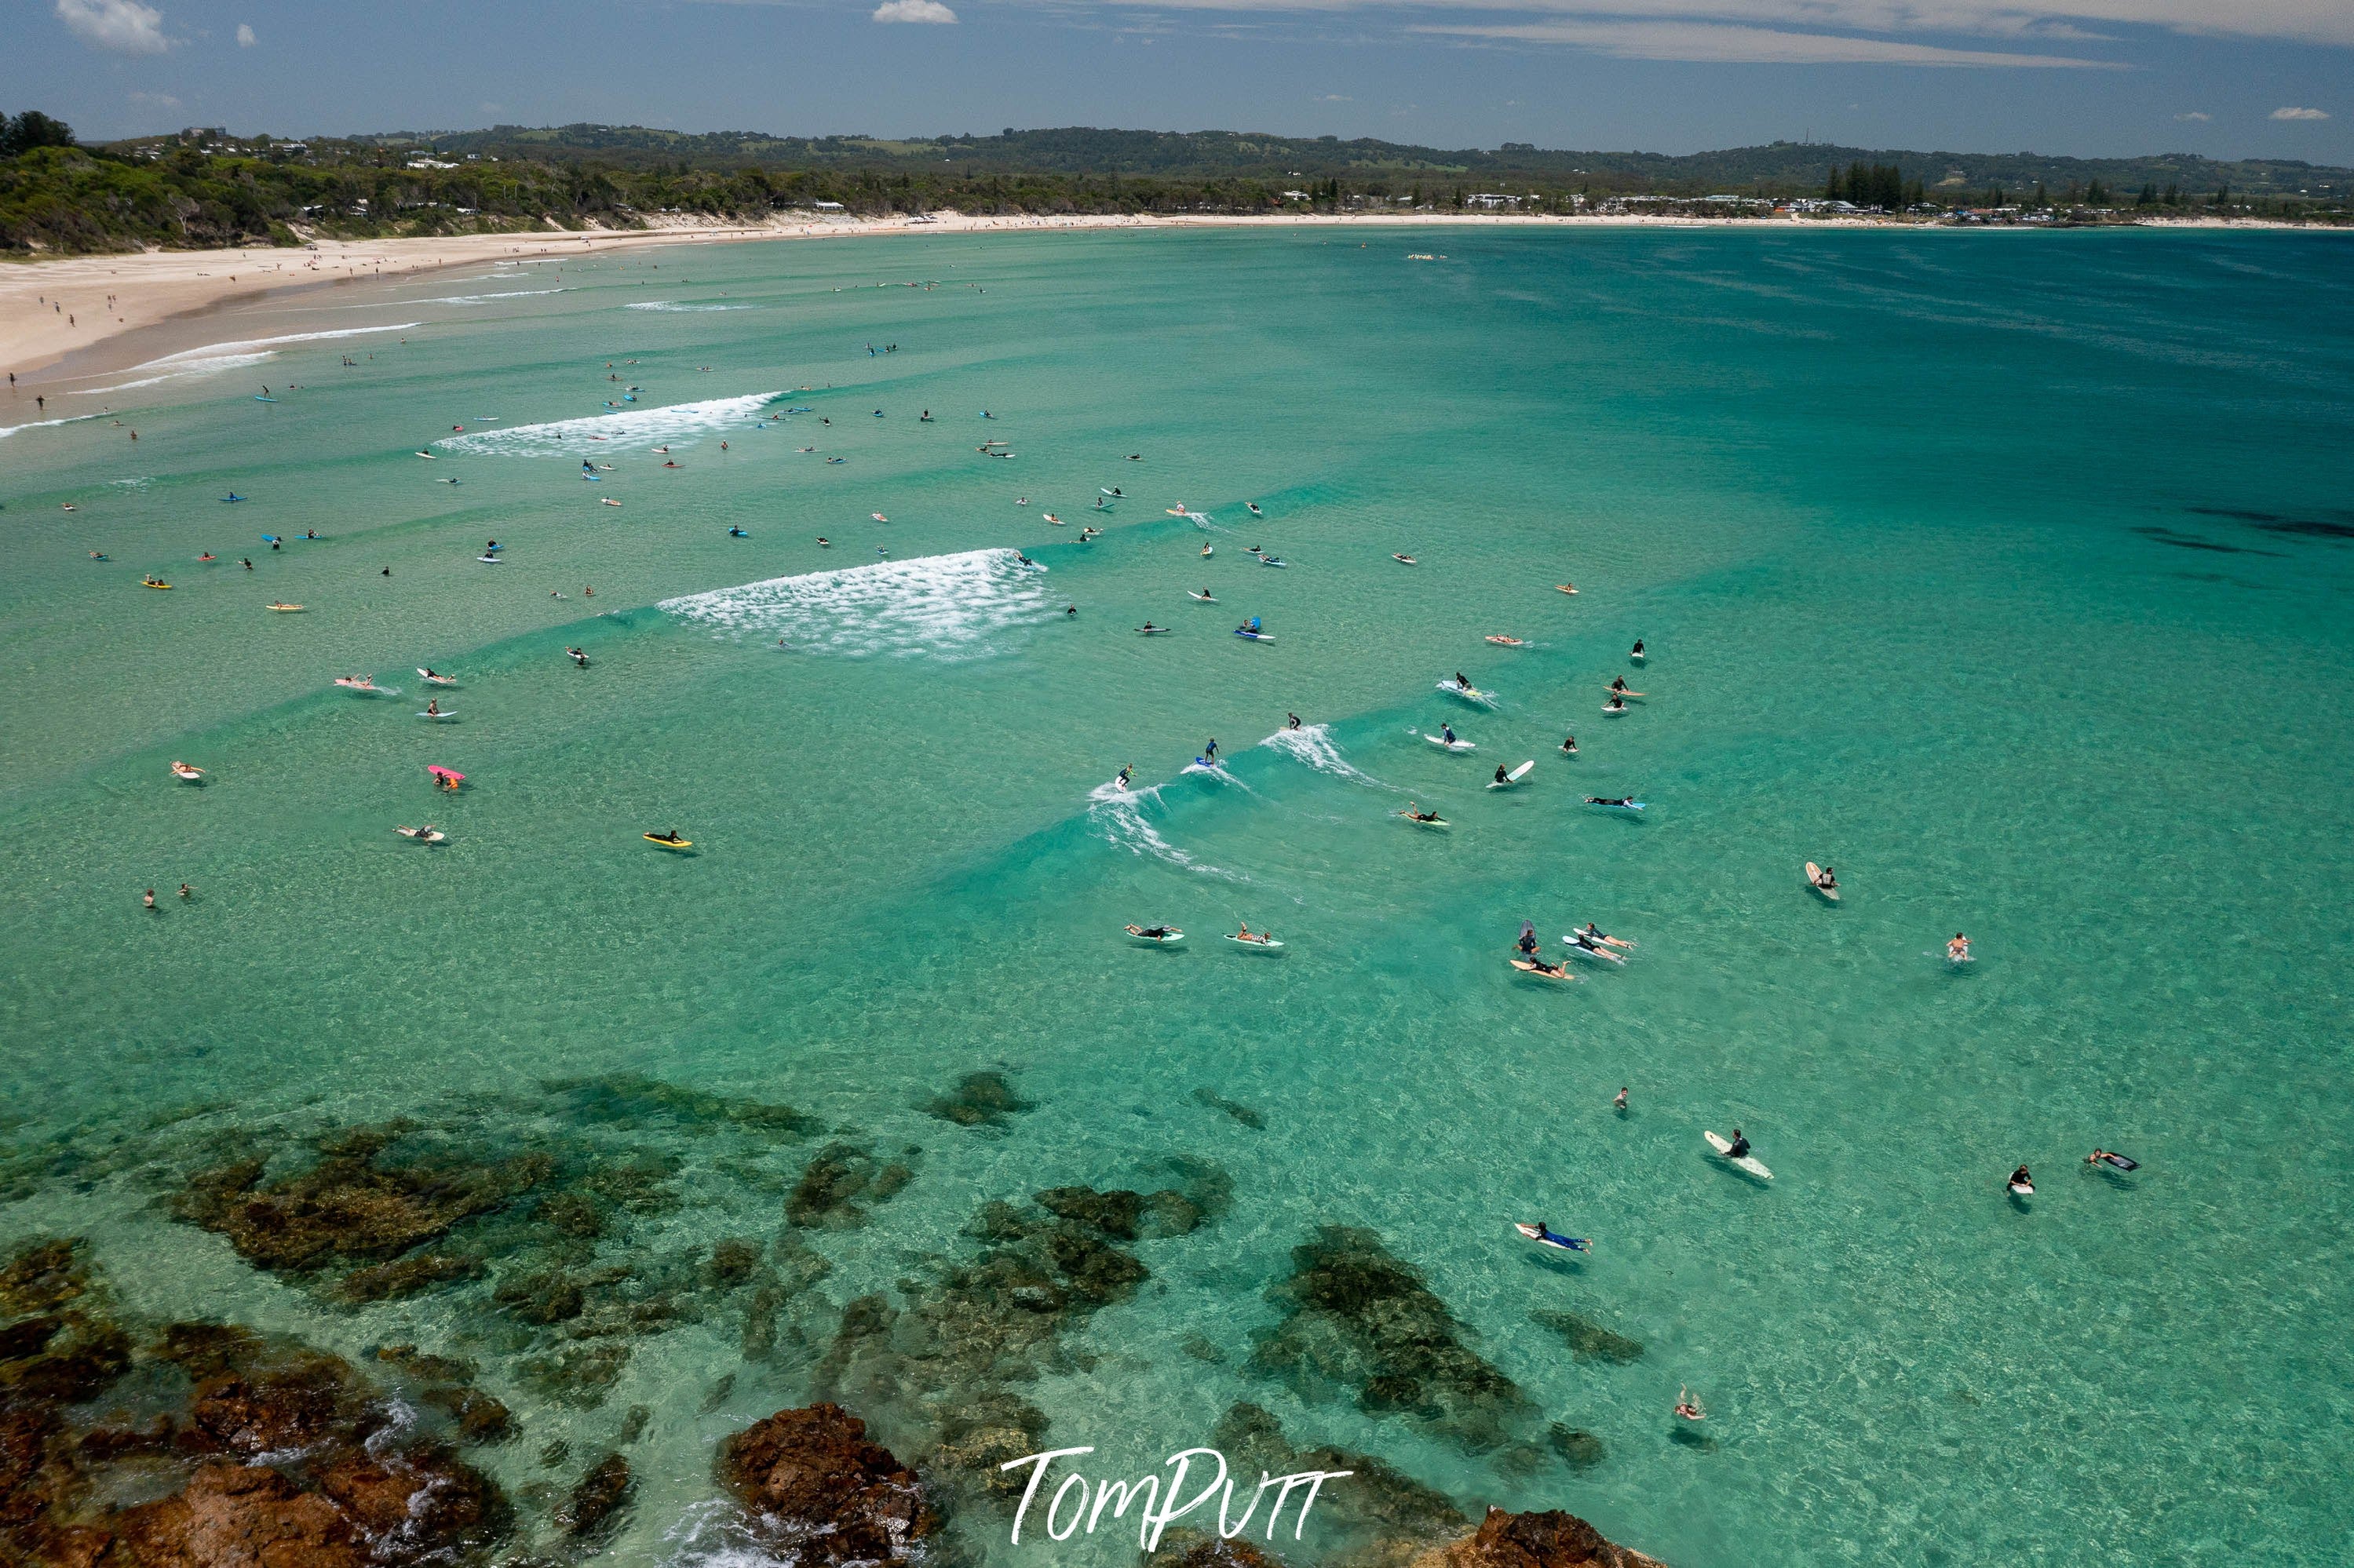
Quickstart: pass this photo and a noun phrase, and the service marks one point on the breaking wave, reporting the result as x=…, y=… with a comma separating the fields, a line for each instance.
x=624, y=428
x=939, y=607
x=1313, y=745
x=678, y=305
x=1119, y=815
x=216, y=357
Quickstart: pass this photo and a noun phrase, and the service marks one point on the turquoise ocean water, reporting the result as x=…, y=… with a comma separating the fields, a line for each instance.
x=2007, y=573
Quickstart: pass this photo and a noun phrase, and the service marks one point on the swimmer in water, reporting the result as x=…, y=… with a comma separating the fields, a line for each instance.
x=1688, y=1407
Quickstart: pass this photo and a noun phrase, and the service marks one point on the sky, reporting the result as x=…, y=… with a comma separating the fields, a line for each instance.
x=2090, y=77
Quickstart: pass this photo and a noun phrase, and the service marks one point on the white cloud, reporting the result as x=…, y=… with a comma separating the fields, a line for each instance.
x=154, y=100
x=125, y=26
x=1722, y=42
x=244, y=36
x=2313, y=21
x=912, y=11
x=2195, y=114
x=2300, y=114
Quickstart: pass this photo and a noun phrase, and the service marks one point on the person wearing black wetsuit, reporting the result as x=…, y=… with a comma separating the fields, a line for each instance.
x=1740, y=1146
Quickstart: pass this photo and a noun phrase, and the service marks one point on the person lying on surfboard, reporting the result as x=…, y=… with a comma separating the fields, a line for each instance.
x=1598, y=800
x=1541, y=1232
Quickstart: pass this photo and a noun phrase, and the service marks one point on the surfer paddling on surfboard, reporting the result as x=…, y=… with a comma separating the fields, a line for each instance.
x=1544, y=1236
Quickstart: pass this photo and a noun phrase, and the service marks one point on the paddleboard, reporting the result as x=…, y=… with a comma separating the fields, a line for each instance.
x=668, y=844
x=1514, y=777
x=1471, y=694
x=1269, y=946
x=1538, y=1234
x=1444, y=745
x=1747, y=1162
x=1814, y=876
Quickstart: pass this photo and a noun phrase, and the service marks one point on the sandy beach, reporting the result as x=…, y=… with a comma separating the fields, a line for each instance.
x=54, y=310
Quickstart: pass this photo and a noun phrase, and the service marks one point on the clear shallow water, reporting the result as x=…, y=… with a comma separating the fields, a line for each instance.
x=2007, y=575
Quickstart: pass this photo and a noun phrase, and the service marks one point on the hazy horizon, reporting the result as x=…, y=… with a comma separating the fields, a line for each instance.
x=2086, y=79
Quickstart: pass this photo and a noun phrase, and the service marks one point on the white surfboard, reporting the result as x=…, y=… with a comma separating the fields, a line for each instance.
x=1754, y=1167
x=1514, y=777
x=1444, y=745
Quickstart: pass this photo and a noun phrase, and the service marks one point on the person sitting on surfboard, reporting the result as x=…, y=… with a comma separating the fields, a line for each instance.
x=1618, y=683
x=1501, y=777
x=1528, y=939
x=1826, y=882
x=1461, y=685
x=1569, y=744
x=1446, y=733
x=433, y=707
x=1617, y=704
x=1638, y=647
x=1739, y=1147
x=2021, y=1181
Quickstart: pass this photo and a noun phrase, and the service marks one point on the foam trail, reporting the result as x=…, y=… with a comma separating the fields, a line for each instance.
x=44, y=424
x=941, y=607
x=622, y=430
x=1119, y=815
x=1313, y=745
x=484, y=299
x=216, y=356
x=677, y=305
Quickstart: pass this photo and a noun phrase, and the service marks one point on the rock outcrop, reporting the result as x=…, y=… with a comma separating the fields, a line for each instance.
x=1548, y=1540
x=814, y=1483
x=246, y=1451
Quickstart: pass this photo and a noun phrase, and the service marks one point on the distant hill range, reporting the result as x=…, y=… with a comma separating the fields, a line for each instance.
x=1776, y=168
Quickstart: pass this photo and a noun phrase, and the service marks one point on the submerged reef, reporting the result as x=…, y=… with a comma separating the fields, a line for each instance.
x=939, y=1367
x=193, y=1443
x=1381, y=1517
x=548, y=1215
x=1356, y=1318
x=1589, y=1340
x=816, y=1487
x=979, y=1100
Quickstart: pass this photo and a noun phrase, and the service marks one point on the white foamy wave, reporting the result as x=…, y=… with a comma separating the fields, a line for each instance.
x=45, y=424
x=1313, y=745
x=939, y=607
x=486, y=299
x=624, y=428
x=715, y=1535
x=218, y=356
x=1119, y=815
x=680, y=305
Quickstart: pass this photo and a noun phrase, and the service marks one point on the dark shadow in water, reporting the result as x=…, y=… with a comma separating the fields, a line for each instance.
x=2183, y=542
x=1553, y=1260
x=1689, y=1437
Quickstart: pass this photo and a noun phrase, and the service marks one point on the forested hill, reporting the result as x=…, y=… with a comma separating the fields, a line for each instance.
x=208, y=188
x=1777, y=168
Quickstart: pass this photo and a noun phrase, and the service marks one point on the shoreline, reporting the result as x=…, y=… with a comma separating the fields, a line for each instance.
x=58, y=310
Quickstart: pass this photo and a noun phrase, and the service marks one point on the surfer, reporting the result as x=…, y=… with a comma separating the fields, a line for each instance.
x=1537, y=966
x=1502, y=777
x=1291, y=721
x=1413, y=813
x=579, y=657
x=1615, y=705
x=1210, y=752
x=186, y=891
x=1826, y=881
x=1637, y=652
x=1592, y=935
x=1447, y=733
x=1068, y=609
x=1545, y=1233
x=1153, y=933
x=2111, y=1159
x=2021, y=1182
x=1598, y=800
x=1150, y=627
x=739, y=533
x=1569, y=746
x=1739, y=1147
x=823, y=543
x=432, y=708
x=1958, y=950
x=1462, y=684
x=1125, y=770
x=1527, y=942
x=1618, y=683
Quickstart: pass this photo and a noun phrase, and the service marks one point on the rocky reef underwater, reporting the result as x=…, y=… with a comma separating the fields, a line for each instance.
x=464, y=1293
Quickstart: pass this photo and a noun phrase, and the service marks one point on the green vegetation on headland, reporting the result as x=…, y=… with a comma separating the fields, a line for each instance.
x=206, y=187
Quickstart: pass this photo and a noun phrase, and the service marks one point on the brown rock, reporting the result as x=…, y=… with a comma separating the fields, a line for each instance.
x=813, y=1478
x=236, y=1516
x=1549, y=1539
x=1203, y=1549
